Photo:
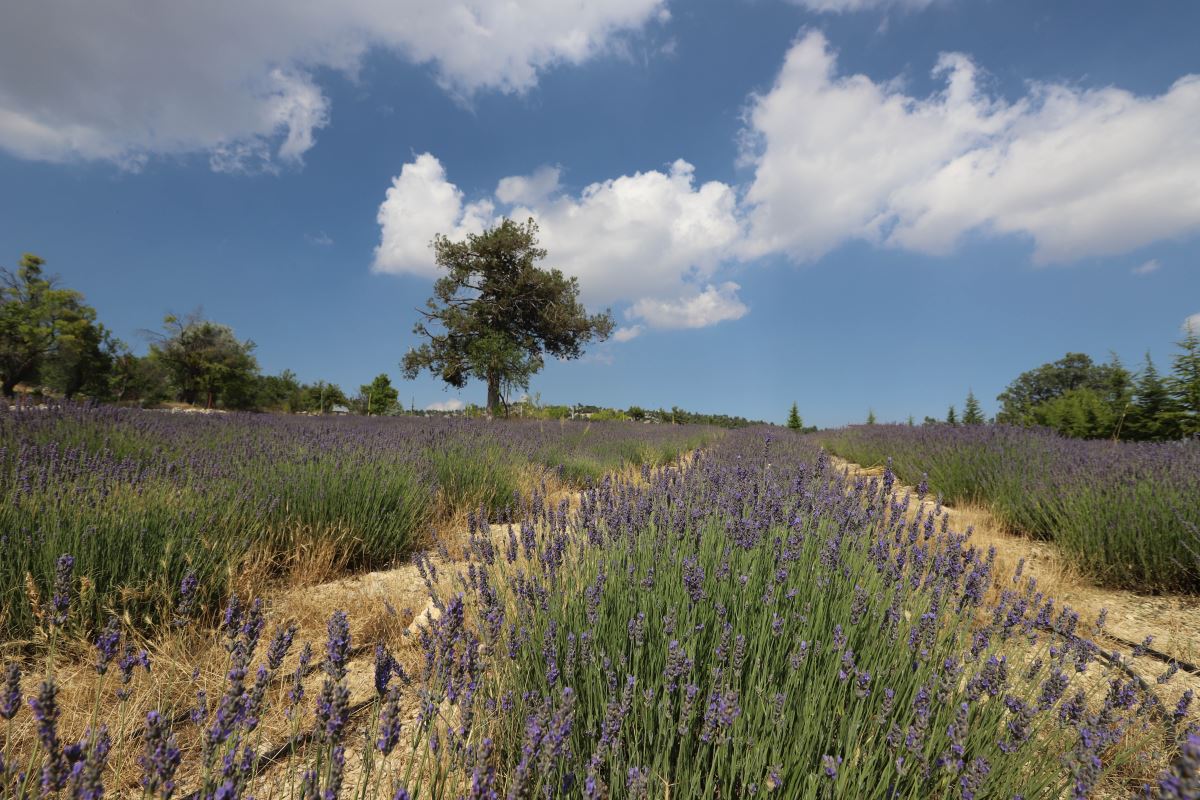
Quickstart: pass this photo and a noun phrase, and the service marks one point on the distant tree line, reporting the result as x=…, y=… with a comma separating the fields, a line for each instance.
x=52, y=344
x=1083, y=399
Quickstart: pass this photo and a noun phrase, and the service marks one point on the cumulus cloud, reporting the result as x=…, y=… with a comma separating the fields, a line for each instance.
x=1080, y=172
x=420, y=204
x=447, y=405
x=129, y=79
x=1191, y=324
x=699, y=310
x=1147, y=267
x=651, y=238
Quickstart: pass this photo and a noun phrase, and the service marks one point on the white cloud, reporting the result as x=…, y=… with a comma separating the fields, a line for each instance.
x=1191, y=324
x=447, y=405
x=420, y=204
x=714, y=304
x=642, y=235
x=321, y=239
x=839, y=6
x=1079, y=172
x=529, y=189
x=652, y=237
x=128, y=79
x=1147, y=267
x=627, y=333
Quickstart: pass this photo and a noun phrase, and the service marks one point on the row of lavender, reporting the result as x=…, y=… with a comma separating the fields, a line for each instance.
x=1128, y=513
x=141, y=498
x=747, y=625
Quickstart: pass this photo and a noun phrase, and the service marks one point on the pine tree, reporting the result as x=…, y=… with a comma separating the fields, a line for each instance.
x=794, y=422
x=972, y=411
x=1150, y=418
x=871, y=416
x=951, y=417
x=1184, y=384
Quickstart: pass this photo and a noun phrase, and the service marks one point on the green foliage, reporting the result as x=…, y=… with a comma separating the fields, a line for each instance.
x=951, y=416
x=972, y=411
x=1184, y=385
x=379, y=396
x=610, y=415
x=47, y=328
x=1151, y=417
x=499, y=313
x=794, y=421
x=1080, y=413
x=870, y=416
x=206, y=362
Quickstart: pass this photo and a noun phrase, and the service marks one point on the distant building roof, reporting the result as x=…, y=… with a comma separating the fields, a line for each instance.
x=339, y=410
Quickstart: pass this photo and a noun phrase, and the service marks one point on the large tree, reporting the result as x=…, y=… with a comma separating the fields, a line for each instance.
x=495, y=313
x=206, y=361
x=378, y=396
x=40, y=321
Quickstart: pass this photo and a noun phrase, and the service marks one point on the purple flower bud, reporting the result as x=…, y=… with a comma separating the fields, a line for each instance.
x=61, y=601
x=160, y=758
x=10, y=694
x=107, y=644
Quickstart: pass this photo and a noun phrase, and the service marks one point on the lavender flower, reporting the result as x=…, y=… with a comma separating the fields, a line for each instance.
x=107, y=644
x=185, y=609
x=337, y=646
x=60, y=603
x=160, y=758
x=10, y=694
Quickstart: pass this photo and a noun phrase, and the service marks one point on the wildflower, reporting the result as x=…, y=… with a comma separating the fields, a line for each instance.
x=281, y=642
x=829, y=765
x=87, y=777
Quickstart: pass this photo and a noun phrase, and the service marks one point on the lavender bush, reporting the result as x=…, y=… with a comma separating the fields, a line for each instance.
x=143, y=498
x=747, y=624
x=1128, y=513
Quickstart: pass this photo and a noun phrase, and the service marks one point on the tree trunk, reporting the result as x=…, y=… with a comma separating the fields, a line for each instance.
x=9, y=388
x=493, y=397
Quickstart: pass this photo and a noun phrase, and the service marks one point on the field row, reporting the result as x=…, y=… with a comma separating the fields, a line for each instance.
x=1127, y=514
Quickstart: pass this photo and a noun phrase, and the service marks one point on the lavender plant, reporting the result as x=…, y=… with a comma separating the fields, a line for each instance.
x=1127, y=513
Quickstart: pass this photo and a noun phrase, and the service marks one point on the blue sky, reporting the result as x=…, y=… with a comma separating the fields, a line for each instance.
x=849, y=204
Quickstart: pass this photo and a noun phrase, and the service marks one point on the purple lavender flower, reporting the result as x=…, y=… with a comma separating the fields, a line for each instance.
x=337, y=646
x=1182, y=780
x=107, y=644
x=45, y=713
x=281, y=643
x=384, y=666
x=61, y=601
x=829, y=765
x=10, y=694
x=160, y=758
x=87, y=776
x=389, y=722
x=185, y=609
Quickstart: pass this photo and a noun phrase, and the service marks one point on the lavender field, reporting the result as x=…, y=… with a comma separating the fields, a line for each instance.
x=745, y=622
x=142, y=498
x=1128, y=514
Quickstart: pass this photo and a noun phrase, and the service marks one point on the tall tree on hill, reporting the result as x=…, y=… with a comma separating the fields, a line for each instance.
x=499, y=313
x=38, y=322
x=951, y=417
x=870, y=416
x=794, y=422
x=1184, y=384
x=1048, y=382
x=972, y=411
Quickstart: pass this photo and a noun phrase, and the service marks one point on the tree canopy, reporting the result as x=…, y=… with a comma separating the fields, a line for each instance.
x=43, y=326
x=495, y=314
x=206, y=361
